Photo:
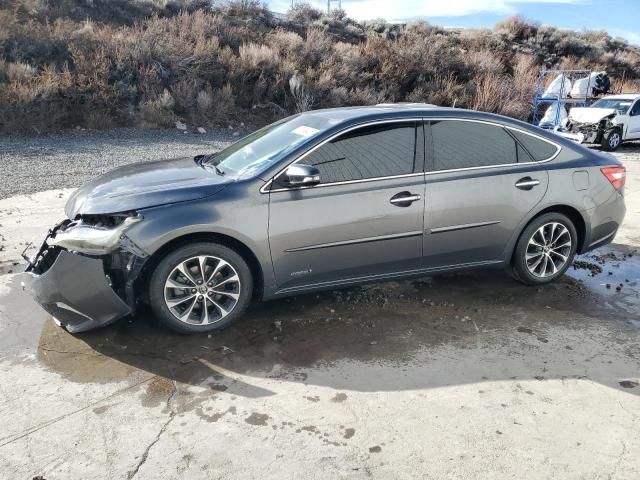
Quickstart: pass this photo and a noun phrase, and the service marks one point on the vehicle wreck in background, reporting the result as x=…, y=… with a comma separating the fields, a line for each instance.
x=608, y=122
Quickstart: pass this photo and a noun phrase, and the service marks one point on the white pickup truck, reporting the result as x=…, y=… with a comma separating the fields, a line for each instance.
x=608, y=122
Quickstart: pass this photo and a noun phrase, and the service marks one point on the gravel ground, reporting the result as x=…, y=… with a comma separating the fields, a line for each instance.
x=69, y=159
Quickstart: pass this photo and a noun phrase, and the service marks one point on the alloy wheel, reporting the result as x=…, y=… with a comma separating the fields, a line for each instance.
x=202, y=290
x=548, y=249
x=614, y=140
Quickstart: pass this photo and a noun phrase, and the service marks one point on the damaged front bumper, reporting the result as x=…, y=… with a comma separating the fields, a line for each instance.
x=76, y=292
x=77, y=288
x=588, y=132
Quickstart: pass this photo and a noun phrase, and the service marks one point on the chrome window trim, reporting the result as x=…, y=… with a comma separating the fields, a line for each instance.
x=265, y=187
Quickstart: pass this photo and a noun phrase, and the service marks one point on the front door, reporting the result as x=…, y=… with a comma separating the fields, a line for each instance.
x=633, y=121
x=482, y=180
x=355, y=223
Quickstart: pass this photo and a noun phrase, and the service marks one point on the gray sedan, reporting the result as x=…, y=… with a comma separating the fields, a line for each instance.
x=322, y=200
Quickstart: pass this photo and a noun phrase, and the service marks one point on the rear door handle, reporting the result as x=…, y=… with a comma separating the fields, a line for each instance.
x=527, y=183
x=404, y=199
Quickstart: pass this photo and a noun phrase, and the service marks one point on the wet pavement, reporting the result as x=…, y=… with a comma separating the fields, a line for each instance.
x=390, y=321
x=457, y=366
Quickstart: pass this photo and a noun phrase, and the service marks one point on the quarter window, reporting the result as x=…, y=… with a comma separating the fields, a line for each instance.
x=538, y=148
x=369, y=152
x=461, y=144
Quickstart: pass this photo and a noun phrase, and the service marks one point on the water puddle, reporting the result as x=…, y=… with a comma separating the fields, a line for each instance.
x=612, y=273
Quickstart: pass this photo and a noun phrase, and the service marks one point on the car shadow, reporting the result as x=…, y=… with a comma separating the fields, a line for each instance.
x=430, y=332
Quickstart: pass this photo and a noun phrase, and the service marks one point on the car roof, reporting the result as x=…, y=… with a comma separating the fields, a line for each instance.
x=346, y=116
x=381, y=109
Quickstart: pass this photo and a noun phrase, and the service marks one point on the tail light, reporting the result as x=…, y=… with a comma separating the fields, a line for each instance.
x=615, y=175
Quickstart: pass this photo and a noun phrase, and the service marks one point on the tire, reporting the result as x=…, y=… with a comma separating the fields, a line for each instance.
x=551, y=232
x=611, y=140
x=200, y=306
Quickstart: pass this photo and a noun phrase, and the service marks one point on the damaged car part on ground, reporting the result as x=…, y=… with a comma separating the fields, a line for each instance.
x=321, y=200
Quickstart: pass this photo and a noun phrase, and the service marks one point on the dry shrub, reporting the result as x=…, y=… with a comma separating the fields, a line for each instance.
x=622, y=85
x=491, y=92
x=257, y=57
x=158, y=111
x=517, y=27
x=317, y=45
x=483, y=61
x=286, y=44
x=443, y=90
x=16, y=72
x=302, y=98
x=121, y=62
x=303, y=13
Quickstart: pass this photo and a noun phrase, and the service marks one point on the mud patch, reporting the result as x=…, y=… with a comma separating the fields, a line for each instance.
x=101, y=410
x=157, y=392
x=339, y=397
x=628, y=384
x=349, y=433
x=613, y=274
x=375, y=449
x=216, y=416
x=257, y=419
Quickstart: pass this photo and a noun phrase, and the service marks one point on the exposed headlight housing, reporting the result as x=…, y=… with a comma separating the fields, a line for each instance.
x=94, y=235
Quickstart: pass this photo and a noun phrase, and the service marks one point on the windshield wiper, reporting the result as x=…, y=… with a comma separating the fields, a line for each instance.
x=205, y=161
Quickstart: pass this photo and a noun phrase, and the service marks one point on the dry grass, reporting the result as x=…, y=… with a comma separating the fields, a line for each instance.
x=151, y=62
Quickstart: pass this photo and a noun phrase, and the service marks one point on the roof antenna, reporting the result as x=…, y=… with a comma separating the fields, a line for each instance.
x=454, y=102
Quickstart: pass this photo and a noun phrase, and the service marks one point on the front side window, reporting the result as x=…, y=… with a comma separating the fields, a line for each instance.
x=381, y=150
x=635, y=110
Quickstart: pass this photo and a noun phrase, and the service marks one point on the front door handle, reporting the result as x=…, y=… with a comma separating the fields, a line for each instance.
x=404, y=199
x=527, y=183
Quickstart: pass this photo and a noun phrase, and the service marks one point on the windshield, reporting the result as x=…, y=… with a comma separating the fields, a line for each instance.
x=262, y=148
x=621, y=105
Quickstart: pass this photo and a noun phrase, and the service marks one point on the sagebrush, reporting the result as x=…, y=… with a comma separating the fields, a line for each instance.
x=102, y=63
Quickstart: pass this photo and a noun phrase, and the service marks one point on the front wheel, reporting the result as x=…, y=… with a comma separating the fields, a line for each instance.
x=545, y=249
x=611, y=140
x=200, y=288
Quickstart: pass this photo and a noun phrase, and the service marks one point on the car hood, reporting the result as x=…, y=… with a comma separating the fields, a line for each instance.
x=144, y=185
x=589, y=115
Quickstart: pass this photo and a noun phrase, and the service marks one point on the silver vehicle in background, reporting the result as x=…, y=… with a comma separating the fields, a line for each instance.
x=322, y=200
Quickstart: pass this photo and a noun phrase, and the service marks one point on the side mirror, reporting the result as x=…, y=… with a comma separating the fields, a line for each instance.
x=299, y=175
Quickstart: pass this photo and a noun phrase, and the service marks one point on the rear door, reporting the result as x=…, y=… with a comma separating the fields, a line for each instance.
x=481, y=181
x=355, y=223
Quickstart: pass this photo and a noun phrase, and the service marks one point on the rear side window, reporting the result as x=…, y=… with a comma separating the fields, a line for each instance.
x=463, y=144
x=374, y=151
x=538, y=148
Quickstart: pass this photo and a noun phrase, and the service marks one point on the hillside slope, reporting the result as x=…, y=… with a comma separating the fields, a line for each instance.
x=102, y=63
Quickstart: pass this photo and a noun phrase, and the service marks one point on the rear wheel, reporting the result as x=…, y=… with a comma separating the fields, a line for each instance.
x=545, y=249
x=200, y=288
x=611, y=140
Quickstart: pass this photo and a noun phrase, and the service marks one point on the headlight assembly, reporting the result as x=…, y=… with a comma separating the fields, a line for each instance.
x=94, y=238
